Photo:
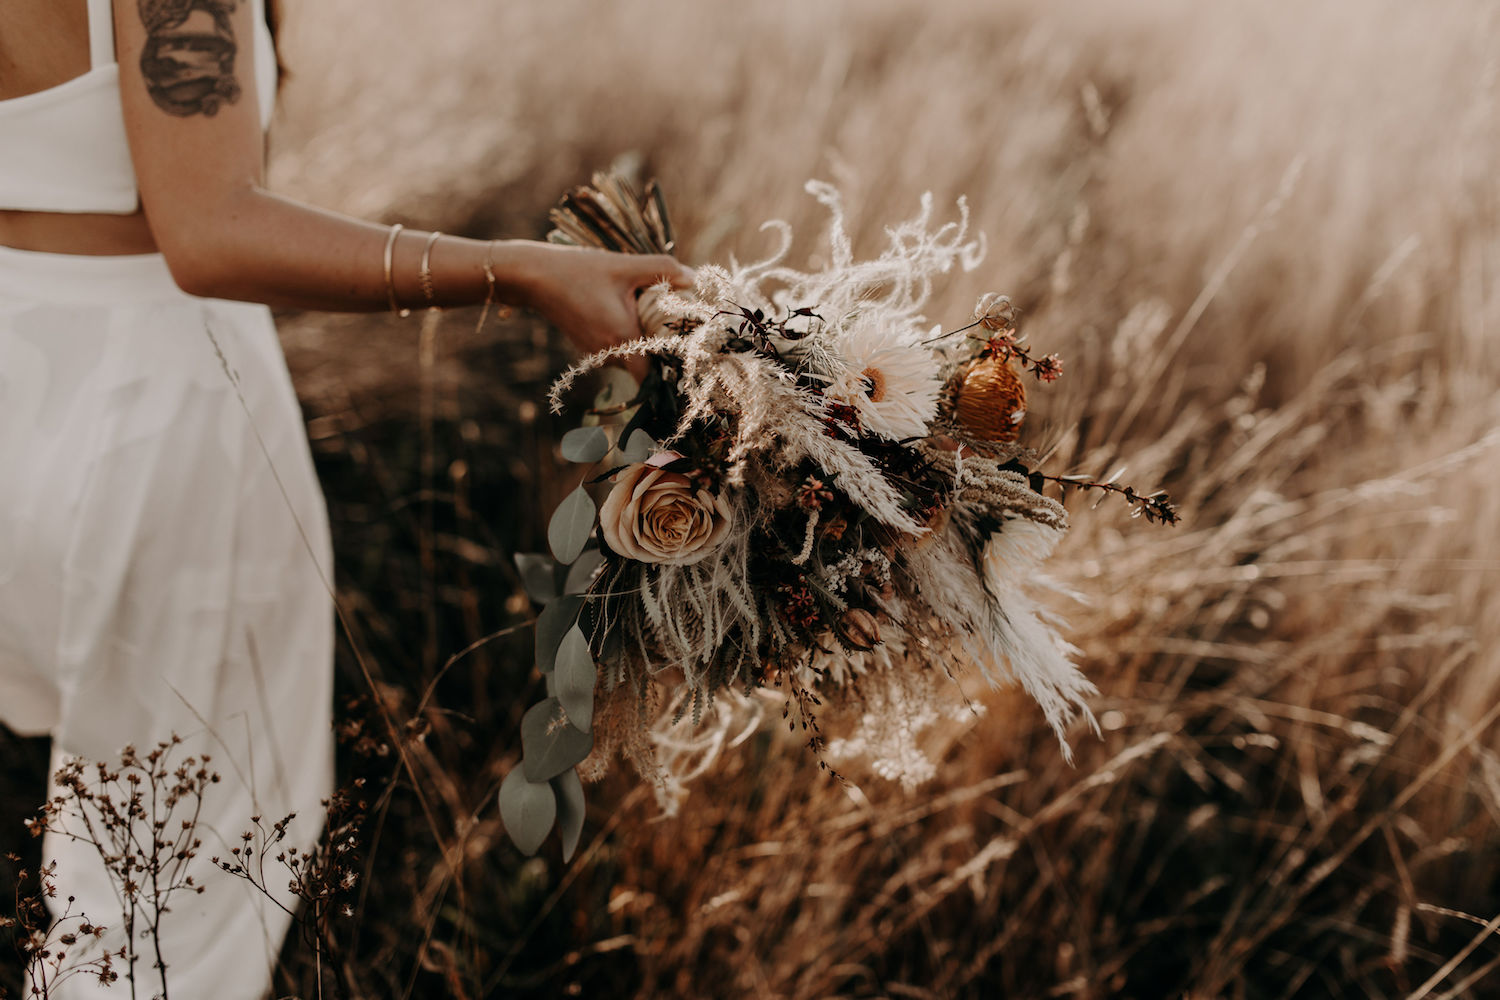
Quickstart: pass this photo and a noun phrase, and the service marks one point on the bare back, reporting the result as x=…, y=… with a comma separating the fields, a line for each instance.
x=43, y=44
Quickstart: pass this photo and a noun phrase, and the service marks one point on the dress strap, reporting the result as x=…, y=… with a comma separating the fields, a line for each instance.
x=101, y=33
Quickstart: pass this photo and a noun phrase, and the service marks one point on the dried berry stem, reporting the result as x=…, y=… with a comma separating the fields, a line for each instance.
x=1005, y=344
x=1155, y=507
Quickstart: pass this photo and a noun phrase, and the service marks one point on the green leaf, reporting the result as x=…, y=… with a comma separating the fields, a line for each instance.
x=575, y=676
x=528, y=809
x=585, y=445
x=581, y=573
x=571, y=525
x=570, y=810
x=619, y=387
x=550, y=744
x=538, y=575
x=639, y=446
x=551, y=625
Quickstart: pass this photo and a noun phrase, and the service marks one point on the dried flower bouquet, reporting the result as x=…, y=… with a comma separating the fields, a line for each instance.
x=811, y=489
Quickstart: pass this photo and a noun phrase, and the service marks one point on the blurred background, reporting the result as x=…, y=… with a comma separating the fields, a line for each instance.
x=1266, y=239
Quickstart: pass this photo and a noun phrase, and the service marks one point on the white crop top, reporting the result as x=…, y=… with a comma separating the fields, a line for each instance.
x=64, y=150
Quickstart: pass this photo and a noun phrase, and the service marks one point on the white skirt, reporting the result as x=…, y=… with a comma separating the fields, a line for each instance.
x=164, y=569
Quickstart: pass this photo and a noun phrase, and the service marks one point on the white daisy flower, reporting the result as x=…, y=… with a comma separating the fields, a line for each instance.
x=891, y=380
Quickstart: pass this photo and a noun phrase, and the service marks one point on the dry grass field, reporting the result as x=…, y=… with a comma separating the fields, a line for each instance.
x=1266, y=238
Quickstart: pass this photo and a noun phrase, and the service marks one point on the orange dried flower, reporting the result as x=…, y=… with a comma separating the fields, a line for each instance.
x=992, y=400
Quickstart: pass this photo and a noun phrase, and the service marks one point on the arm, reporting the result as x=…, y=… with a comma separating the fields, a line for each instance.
x=191, y=114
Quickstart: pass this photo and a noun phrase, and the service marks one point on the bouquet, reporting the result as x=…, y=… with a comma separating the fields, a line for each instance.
x=811, y=490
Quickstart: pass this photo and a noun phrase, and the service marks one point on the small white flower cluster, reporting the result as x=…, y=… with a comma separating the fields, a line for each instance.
x=856, y=565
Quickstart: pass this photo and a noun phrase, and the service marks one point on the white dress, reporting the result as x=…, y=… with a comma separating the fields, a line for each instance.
x=164, y=569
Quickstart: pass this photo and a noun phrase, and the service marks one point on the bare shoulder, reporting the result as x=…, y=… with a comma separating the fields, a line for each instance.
x=190, y=54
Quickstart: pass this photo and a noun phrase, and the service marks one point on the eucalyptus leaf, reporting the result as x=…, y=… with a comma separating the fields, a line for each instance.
x=538, y=575
x=581, y=573
x=619, y=387
x=571, y=525
x=638, y=447
x=585, y=445
x=574, y=676
x=551, y=625
x=529, y=809
x=570, y=810
x=549, y=743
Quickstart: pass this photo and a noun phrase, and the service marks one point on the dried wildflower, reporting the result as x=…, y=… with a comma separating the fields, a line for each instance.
x=992, y=400
x=813, y=494
x=797, y=605
x=842, y=417
x=1048, y=369
x=994, y=311
x=1157, y=508
x=1002, y=343
x=891, y=381
x=321, y=874
x=1154, y=507
x=141, y=817
x=1006, y=344
x=53, y=954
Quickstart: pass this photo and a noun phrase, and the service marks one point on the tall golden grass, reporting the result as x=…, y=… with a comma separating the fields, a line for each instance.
x=1266, y=237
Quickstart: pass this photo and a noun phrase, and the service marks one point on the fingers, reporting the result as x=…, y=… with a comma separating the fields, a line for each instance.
x=594, y=318
x=652, y=268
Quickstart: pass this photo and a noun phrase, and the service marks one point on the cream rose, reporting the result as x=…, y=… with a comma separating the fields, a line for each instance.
x=655, y=516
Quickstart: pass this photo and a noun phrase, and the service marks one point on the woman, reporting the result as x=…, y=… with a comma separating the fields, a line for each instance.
x=164, y=554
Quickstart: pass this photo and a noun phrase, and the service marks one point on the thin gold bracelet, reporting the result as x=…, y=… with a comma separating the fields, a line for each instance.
x=425, y=273
x=489, y=271
x=390, y=260
x=489, y=285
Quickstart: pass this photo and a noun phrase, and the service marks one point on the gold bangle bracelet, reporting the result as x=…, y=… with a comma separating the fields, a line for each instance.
x=488, y=266
x=489, y=271
x=424, y=275
x=390, y=261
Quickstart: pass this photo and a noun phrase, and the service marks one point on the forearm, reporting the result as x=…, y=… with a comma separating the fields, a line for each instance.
x=260, y=247
x=193, y=123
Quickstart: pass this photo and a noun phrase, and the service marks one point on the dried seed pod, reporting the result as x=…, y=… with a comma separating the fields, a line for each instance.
x=859, y=629
x=992, y=400
x=833, y=528
x=994, y=311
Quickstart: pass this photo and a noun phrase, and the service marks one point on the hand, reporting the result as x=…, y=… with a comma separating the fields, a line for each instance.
x=590, y=295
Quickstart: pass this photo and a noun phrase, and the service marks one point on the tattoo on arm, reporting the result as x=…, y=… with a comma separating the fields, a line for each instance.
x=188, y=62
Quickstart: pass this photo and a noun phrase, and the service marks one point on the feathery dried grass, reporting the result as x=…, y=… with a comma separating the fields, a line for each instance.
x=1265, y=238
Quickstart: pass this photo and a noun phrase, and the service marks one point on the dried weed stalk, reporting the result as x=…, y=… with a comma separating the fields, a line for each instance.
x=46, y=943
x=141, y=816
